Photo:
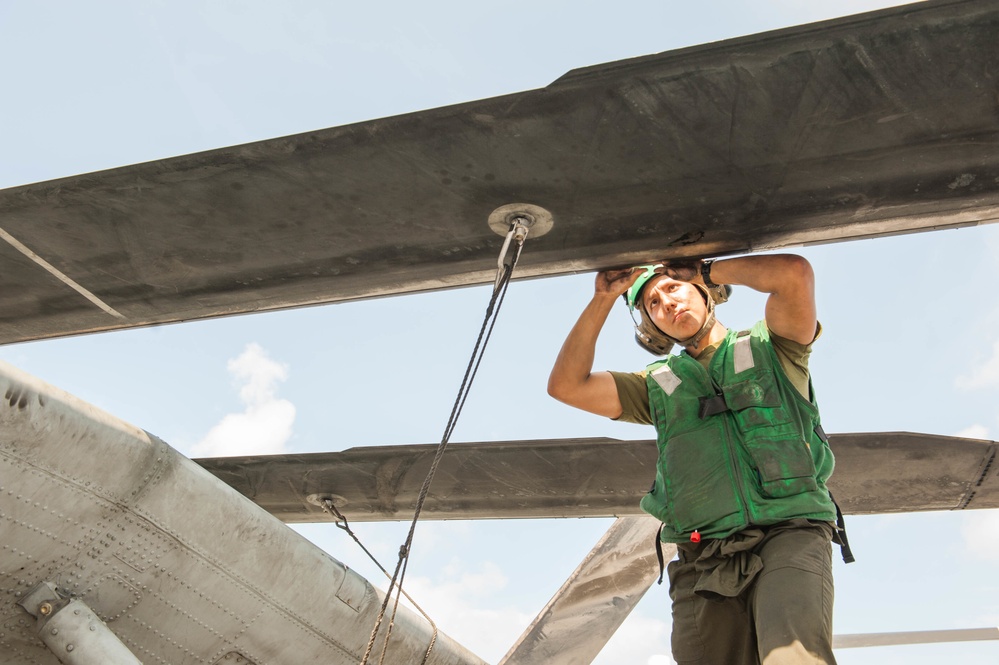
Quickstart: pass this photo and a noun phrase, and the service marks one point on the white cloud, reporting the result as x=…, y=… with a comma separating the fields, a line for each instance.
x=640, y=639
x=265, y=425
x=461, y=603
x=975, y=431
x=981, y=534
x=984, y=375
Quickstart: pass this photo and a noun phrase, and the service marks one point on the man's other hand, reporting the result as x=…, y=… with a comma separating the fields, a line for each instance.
x=684, y=270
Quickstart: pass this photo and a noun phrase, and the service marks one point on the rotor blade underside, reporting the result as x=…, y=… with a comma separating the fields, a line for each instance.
x=869, y=125
x=875, y=473
x=596, y=599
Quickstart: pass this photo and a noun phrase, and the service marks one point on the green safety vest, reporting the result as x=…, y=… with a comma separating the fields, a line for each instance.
x=738, y=444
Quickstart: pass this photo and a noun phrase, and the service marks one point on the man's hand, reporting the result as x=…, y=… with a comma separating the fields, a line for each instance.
x=615, y=282
x=684, y=270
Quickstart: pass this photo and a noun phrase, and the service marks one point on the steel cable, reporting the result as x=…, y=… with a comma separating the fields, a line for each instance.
x=485, y=332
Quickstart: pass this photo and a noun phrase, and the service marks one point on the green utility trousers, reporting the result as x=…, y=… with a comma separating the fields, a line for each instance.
x=762, y=596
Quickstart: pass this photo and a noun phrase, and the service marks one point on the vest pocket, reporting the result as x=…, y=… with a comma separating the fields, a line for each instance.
x=700, y=489
x=654, y=502
x=756, y=402
x=784, y=466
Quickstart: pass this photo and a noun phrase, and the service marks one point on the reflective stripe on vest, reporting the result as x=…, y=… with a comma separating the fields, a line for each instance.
x=743, y=353
x=666, y=379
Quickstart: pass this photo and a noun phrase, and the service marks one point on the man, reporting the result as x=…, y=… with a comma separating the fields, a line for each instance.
x=743, y=461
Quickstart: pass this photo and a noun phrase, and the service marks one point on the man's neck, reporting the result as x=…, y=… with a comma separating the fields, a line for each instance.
x=717, y=334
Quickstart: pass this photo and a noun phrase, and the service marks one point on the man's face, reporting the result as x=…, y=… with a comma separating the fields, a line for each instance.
x=677, y=308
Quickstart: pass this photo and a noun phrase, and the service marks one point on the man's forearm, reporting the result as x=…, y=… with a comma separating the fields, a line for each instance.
x=790, y=283
x=575, y=360
x=573, y=380
x=772, y=273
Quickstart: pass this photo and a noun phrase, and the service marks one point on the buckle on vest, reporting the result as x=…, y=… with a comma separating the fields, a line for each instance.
x=711, y=406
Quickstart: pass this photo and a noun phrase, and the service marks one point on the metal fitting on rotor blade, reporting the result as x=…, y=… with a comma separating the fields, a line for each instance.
x=514, y=221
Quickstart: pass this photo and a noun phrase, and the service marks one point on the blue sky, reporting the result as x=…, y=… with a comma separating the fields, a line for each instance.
x=910, y=339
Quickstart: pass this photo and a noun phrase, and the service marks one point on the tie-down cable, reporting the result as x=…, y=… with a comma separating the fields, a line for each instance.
x=512, y=221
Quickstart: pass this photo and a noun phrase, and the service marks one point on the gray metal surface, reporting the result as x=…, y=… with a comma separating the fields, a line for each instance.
x=181, y=568
x=596, y=599
x=76, y=635
x=899, y=472
x=887, y=472
x=863, y=126
x=914, y=637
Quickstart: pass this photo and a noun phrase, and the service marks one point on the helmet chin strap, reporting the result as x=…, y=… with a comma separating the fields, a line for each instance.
x=696, y=338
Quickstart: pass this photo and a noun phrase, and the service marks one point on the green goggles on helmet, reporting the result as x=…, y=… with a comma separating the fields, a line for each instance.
x=635, y=292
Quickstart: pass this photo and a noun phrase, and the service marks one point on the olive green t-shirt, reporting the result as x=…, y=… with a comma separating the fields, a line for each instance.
x=634, y=392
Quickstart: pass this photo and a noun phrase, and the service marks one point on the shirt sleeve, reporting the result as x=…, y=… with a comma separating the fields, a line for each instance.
x=793, y=358
x=634, y=395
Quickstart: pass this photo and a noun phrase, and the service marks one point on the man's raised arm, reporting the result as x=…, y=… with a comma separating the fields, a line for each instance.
x=787, y=278
x=573, y=380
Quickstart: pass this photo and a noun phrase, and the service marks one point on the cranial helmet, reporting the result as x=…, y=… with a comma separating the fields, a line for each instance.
x=647, y=334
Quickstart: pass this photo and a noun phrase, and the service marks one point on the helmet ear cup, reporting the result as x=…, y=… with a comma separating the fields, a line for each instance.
x=720, y=293
x=651, y=338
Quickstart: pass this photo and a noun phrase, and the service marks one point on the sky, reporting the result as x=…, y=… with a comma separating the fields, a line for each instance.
x=910, y=338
